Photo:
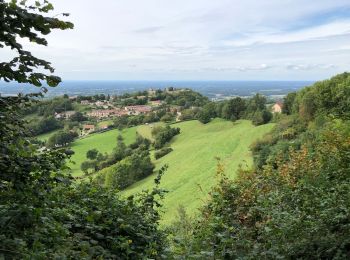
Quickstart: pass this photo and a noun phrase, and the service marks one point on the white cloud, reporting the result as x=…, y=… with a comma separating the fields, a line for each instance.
x=260, y=67
x=310, y=34
x=199, y=39
x=310, y=66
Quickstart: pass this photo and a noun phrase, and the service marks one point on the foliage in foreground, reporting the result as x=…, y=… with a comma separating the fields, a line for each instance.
x=44, y=215
x=29, y=21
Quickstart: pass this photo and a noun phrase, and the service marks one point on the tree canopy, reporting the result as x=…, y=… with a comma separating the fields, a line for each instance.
x=30, y=22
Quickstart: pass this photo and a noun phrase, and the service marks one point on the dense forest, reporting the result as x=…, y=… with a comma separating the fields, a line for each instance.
x=294, y=203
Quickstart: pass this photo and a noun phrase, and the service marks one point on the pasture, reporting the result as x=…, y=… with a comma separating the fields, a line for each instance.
x=192, y=163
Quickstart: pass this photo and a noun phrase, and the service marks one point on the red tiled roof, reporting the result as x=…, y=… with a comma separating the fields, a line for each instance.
x=89, y=126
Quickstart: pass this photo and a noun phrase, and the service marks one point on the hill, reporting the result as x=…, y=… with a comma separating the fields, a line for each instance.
x=295, y=203
x=146, y=130
x=103, y=142
x=192, y=164
x=46, y=136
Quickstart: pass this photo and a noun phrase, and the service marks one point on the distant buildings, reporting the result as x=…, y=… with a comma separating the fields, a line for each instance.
x=175, y=109
x=103, y=103
x=156, y=102
x=136, y=110
x=64, y=115
x=151, y=92
x=277, y=108
x=100, y=113
x=178, y=116
x=103, y=127
x=88, y=128
x=85, y=102
x=107, y=113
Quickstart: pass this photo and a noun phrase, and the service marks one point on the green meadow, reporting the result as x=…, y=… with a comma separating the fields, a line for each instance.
x=46, y=136
x=146, y=130
x=192, y=164
x=105, y=122
x=103, y=142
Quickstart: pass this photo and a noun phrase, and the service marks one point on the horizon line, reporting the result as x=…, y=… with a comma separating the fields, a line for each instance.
x=191, y=80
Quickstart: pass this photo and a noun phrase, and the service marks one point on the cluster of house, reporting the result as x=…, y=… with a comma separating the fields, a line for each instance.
x=64, y=115
x=91, y=128
x=107, y=113
x=137, y=110
x=116, y=112
x=104, y=103
x=277, y=107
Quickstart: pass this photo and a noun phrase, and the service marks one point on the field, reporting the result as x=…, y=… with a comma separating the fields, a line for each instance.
x=103, y=142
x=105, y=122
x=146, y=130
x=46, y=136
x=192, y=164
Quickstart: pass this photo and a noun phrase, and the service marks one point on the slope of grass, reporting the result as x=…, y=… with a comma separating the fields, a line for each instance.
x=105, y=122
x=46, y=136
x=103, y=142
x=146, y=130
x=32, y=117
x=192, y=164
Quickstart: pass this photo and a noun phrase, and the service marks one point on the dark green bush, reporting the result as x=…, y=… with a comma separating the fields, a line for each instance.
x=162, y=152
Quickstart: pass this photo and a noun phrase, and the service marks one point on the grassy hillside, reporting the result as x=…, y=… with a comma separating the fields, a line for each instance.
x=103, y=142
x=192, y=164
x=46, y=136
x=105, y=122
x=146, y=130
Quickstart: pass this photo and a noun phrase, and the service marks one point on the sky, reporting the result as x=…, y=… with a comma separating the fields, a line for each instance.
x=199, y=40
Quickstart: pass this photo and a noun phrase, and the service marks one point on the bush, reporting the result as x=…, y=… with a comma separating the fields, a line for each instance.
x=167, y=118
x=92, y=154
x=61, y=138
x=78, y=117
x=44, y=125
x=162, y=135
x=129, y=170
x=162, y=152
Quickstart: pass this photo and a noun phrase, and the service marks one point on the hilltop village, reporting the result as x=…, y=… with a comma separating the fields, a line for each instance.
x=77, y=116
x=88, y=114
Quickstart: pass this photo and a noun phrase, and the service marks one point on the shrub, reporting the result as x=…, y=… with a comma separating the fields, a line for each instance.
x=162, y=135
x=61, y=138
x=129, y=170
x=162, y=152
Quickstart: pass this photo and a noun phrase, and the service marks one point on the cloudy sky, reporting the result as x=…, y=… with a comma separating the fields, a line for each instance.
x=201, y=40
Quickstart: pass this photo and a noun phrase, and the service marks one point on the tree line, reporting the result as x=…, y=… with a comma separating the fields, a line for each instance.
x=254, y=108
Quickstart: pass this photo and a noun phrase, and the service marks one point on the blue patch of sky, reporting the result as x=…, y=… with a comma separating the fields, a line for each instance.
x=320, y=18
